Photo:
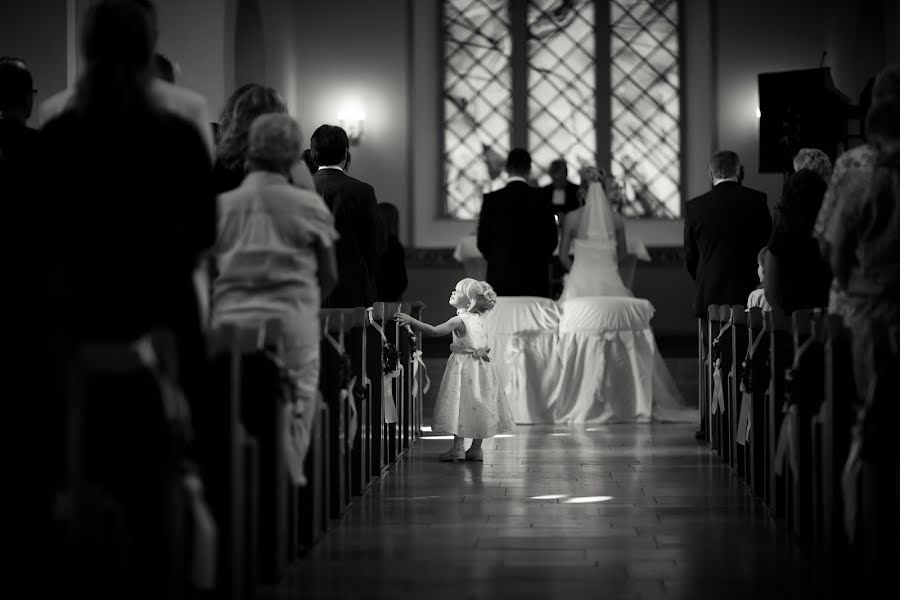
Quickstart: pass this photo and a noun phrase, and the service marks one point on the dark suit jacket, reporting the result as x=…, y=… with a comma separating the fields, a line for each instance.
x=18, y=143
x=724, y=230
x=517, y=235
x=352, y=202
x=571, y=202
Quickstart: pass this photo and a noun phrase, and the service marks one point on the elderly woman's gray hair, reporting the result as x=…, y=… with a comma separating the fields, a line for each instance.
x=814, y=160
x=273, y=143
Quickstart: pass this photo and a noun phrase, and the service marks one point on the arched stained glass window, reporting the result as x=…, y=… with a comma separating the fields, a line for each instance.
x=591, y=81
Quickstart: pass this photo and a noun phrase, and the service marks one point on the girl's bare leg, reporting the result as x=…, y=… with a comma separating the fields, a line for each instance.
x=474, y=452
x=456, y=452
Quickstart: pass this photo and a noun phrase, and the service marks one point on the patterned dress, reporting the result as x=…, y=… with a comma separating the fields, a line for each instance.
x=471, y=402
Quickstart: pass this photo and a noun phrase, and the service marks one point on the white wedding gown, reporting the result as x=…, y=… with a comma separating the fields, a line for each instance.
x=612, y=370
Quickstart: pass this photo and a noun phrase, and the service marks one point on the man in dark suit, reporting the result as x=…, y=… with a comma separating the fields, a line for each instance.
x=352, y=202
x=517, y=233
x=724, y=230
x=561, y=193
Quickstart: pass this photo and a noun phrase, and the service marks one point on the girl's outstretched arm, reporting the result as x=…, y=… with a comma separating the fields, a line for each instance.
x=454, y=324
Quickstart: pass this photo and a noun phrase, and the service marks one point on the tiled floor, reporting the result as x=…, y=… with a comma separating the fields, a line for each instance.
x=623, y=511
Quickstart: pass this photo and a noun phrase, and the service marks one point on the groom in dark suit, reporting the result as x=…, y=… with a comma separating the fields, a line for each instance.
x=352, y=202
x=517, y=233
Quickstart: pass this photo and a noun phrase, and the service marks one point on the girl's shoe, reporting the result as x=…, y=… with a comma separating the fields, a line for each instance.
x=452, y=455
x=475, y=454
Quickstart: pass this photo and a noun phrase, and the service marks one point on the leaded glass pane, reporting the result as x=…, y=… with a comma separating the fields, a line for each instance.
x=561, y=84
x=645, y=106
x=477, y=101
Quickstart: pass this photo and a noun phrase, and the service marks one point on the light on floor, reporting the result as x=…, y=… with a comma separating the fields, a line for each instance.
x=436, y=437
x=505, y=435
x=559, y=434
x=426, y=428
x=588, y=499
x=548, y=497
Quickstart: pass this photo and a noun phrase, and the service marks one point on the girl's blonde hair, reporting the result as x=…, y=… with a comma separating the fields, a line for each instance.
x=481, y=295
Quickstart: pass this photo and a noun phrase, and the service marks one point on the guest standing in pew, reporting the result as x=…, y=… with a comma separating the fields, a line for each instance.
x=248, y=103
x=866, y=251
x=390, y=274
x=517, y=233
x=183, y=102
x=130, y=184
x=796, y=274
x=757, y=298
x=869, y=238
x=276, y=259
x=353, y=204
x=227, y=113
x=723, y=231
x=471, y=402
x=847, y=189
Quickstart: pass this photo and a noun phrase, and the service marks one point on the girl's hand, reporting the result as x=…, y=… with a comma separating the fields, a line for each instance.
x=403, y=318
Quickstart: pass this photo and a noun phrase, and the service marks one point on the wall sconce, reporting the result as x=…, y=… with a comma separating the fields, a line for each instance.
x=351, y=119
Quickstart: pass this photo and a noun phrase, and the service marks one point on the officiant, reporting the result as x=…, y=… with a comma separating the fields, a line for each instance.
x=561, y=193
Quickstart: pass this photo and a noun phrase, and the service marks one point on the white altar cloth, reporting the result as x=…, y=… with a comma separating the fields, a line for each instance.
x=587, y=360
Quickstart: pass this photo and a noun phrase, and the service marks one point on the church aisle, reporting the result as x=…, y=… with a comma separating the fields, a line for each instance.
x=623, y=511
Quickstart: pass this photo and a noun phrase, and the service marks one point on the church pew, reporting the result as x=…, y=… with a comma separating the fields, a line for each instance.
x=757, y=365
x=417, y=310
x=780, y=352
x=331, y=384
x=713, y=326
x=406, y=347
x=720, y=353
x=392, y=332
x=879, y=479
x=257, y=534
x=356, y=323
x=375, y=370
x=835, y=421
x=702, y=392
x=123, y=479
x=803, y=398
x=738, y=348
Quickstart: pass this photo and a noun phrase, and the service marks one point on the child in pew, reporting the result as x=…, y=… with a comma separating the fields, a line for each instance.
x=757, y=297
x=471, y=402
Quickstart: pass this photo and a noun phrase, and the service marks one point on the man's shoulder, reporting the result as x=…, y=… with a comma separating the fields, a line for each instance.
x=53, y=106
x=339, y=179
x=177, y=98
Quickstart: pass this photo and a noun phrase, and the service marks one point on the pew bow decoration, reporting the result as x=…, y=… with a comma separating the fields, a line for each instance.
x=347, y=383
x=390, y=371
x=418, y=362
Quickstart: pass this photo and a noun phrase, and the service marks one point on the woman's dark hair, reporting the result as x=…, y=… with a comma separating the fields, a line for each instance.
x=329, y=144
x=800, y=202
x=256, y=100
x=310, y=163
x=227, y=112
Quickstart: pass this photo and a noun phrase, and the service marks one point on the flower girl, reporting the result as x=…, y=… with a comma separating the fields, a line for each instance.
x=471, y=402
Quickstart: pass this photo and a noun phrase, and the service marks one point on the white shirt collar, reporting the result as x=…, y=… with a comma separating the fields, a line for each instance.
x=718, y=181
x=516, y=178
x=331, y=167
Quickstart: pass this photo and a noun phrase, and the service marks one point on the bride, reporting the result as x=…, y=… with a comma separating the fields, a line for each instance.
x=595, y=235
x=598, y=236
